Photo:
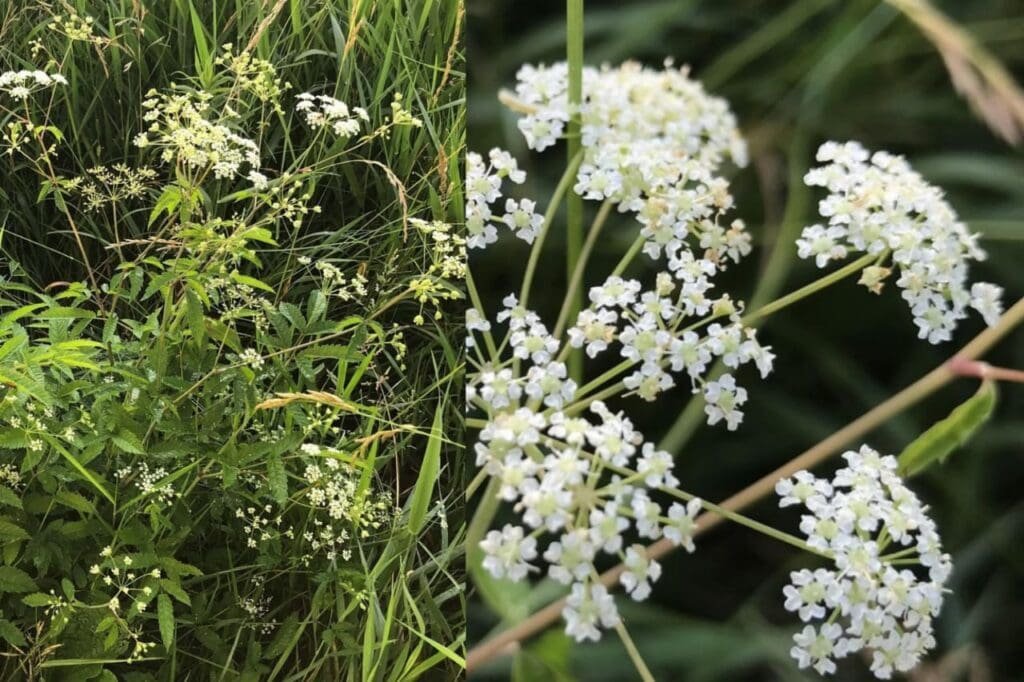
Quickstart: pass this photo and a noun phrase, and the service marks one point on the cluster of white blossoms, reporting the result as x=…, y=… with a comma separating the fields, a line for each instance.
x=877, y=204
x=654, y=142
x=343, y=511
x=484, y=189
x=180, y=126
x=586, y=480
x=322, y=111
x=148, y=481
x=20, y=84
x=876, y=530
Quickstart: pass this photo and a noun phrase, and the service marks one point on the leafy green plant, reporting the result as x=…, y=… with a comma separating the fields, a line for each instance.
x=227, y=420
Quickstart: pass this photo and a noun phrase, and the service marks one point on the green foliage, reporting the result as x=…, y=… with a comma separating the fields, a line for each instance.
x=217, y=381
x=938, y=442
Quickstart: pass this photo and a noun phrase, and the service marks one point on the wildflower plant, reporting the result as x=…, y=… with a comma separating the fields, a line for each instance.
x=567, y=486
x=225, y=405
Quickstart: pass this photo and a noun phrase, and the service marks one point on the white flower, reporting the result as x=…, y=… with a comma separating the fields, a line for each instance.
x=723, y=397
x=322, y=111
x=818, y=647
x=681, y=524
x=521, y=217
x=640, y=572
x=587, y=606
x=508, y=552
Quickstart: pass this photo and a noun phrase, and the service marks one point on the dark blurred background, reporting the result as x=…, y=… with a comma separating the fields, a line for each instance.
x=796, y=74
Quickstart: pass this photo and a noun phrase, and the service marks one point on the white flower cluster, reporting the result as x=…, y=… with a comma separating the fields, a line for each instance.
x=322, y=111
x=875, y=528
x=20, y=84
x=654, y=142
x=335, y=283
x=484, y=188
x=180, y=126
x=877, y=204
x=653, y=332
x=553, y=468
x=448, y=248
x=334, y=491
x=147, y=482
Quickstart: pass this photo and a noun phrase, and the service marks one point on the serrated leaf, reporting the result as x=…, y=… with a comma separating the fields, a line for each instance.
x=165, y=617
x=11, y=634
x=12, y=532
x=936, y=444
x=9, y=497
x=75, y=501
x=129, y=442
x=277, y=478
x=38, y=599
x=16, y=580
x=173, y=588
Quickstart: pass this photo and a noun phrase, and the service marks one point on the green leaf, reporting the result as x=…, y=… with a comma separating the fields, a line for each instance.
x=11, y=532
x=173, y=588
x=9, y=497
x=38, y=599
x=546, y=660
x=167, y=203
x=277, y=478
x=10, y=632
x=165, y=616
x=936, y=444
x=75, y=501
x=16, y=580
x=239, y=278
x=129, y=442
x=429, y=470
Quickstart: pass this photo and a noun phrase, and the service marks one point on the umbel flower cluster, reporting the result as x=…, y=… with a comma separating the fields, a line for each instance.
x=588, y=480
x=876, y=530
x=323, y=111
x=570, y=464
x=181, y=126
x=20, y=84
x=877, y=204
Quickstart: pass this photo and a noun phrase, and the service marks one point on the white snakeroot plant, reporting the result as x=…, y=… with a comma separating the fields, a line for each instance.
x=585, y=487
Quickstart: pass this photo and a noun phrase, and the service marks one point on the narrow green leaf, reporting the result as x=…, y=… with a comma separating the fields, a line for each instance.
x=936, y=444
x=277, y=478
x=165, y=616
x=429, y=470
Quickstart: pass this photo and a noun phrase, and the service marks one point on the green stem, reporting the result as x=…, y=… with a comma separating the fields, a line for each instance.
x=817, y=285
x=474, y=297
x=556, y=199
x=573, y=297
x=634, y=653
x=634, y=249
x=574, y=203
